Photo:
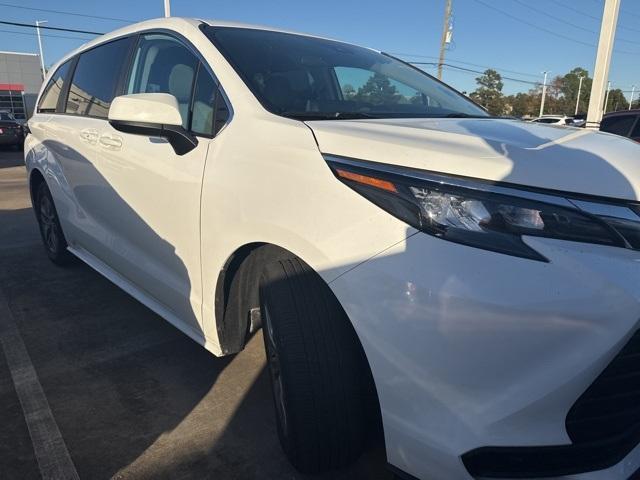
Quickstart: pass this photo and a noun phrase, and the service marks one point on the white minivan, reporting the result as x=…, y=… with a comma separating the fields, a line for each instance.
x=467, y=285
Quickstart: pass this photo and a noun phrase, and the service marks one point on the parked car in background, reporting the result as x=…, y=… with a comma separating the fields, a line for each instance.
x=554, y=120
x=580, y=120
x=625, y=123
x=11, y=131
x=466, y=284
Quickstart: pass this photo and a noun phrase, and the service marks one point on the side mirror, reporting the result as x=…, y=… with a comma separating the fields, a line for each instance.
x=152, y=115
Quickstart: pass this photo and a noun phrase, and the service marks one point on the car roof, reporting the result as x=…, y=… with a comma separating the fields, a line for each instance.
x=176, y=23
x=635, y=111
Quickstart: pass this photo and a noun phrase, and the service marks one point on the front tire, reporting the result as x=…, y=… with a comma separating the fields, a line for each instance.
x=53, y=239
x=325, y=400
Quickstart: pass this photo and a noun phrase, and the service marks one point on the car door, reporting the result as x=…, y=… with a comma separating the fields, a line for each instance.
x=153, y=215
x=71, y=138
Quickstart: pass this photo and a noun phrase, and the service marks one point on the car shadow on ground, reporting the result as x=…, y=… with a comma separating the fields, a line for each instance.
x=132, y=396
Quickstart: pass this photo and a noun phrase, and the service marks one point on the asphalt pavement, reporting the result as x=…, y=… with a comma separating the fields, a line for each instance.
x=129, y=396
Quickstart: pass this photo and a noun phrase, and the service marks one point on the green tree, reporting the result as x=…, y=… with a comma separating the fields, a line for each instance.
x=570, y=87
x=521, y=104
x=489, y=92
x=348, y=92
x=617, y=101
x=378, y=91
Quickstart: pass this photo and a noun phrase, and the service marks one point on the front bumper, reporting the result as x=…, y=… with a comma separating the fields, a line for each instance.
x=472, y=349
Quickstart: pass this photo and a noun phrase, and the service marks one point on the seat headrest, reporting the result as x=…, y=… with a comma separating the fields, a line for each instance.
x=279, y=92
x=180, y=81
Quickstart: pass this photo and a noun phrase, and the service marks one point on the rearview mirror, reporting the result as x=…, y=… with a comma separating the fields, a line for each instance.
x=152, y=115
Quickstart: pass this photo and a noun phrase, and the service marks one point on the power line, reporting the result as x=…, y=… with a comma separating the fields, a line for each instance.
x=630, y=13
x=470, y=70
x=467, y=63
x=546, y=30
x=587, y=15
x=44, y=35
x=67, y=13
x=579, y=27
x=28, y=25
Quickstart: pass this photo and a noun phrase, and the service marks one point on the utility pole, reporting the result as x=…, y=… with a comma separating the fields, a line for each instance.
x=544, y=93
x=579, y=92
x=633, y=91
x=603, y=62
x=167, y=8
x=445, y=36
x=606, y=99
x=38, y=23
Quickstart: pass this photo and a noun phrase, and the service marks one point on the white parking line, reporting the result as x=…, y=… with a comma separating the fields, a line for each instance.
x=49, y=447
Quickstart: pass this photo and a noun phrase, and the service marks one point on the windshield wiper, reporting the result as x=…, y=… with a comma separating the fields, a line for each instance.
x=327, y=115
x=465, y=115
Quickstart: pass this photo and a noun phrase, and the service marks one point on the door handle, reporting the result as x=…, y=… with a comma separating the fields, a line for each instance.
x=89, y=135
x=112, y=142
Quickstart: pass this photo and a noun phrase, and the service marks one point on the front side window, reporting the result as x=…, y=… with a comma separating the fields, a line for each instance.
x=204, y=101
x=306, y=77
x=619, y=124
x=209, y=110
x=96, y=78
x=51, y=94
x=164, y=65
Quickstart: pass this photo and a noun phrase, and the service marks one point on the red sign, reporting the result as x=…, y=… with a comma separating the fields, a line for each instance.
x=12, y=86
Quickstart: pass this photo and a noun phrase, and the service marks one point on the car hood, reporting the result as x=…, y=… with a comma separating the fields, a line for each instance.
x=545, y=156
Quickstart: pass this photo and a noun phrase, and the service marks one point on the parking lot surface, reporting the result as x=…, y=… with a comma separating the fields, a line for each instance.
x=130, y=396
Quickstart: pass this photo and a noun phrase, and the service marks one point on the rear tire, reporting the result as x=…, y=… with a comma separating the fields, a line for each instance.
x=325, y=400
x=50, y=230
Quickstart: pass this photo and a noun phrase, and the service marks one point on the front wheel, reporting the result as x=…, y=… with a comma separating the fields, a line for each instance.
x=325, y=401
x=50, y=230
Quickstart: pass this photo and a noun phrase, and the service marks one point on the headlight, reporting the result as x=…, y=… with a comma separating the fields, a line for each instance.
x=487, y=215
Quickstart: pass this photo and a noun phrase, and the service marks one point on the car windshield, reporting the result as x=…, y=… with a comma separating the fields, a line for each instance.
x=311, y=78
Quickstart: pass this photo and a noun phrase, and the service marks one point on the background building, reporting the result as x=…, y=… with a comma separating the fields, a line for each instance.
x=20, y=81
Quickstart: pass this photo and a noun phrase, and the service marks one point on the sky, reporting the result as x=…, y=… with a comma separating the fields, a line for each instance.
x=519, y=38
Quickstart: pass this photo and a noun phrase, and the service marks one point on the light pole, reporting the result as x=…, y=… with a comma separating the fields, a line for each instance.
x=633, y=91
x=445, y=34
x=606, y=99
x=603, y=62
x=544, y=93
x=579, y=92
x=38, y=23
x=167, y=8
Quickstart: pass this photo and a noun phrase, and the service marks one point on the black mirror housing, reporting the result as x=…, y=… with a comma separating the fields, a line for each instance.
x=180, y=139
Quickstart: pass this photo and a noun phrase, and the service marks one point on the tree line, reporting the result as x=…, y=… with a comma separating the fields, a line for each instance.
x=561, y=98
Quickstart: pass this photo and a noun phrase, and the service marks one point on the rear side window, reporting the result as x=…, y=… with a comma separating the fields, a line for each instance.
x=162, y=64
x=96, y=78
x=620, y=124
x=51, y=94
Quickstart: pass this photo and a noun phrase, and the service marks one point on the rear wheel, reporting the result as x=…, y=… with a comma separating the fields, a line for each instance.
x=325, y=401
x=52, y=237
